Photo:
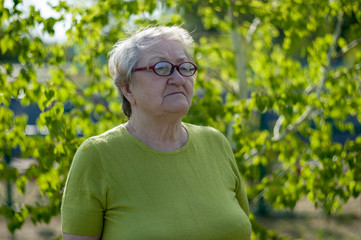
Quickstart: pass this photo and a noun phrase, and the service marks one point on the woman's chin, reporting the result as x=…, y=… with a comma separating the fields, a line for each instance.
x=180, y=109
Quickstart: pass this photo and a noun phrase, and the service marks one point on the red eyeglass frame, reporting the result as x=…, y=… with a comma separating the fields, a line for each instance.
x=173, y=67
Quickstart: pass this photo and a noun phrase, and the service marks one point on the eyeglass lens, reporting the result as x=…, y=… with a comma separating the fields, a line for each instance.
x=164, y=69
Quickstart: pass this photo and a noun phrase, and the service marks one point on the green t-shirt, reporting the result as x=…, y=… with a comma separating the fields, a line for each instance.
x=120, y=188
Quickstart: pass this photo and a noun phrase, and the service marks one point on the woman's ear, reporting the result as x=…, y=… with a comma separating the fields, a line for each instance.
x=127, y=92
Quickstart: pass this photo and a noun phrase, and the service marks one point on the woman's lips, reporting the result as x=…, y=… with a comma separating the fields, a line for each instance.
x=174, y=93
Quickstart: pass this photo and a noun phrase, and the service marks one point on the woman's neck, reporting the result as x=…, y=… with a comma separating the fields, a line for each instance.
x=161, y=135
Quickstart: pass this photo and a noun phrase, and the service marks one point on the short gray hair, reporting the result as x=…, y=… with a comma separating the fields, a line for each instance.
x=126, y=53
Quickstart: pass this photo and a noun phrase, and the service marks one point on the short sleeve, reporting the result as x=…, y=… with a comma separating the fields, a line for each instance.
x=84, y=199
x=240, y=190
x=241, y=195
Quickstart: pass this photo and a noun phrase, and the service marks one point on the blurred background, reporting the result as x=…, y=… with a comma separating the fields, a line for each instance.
x=280, y=78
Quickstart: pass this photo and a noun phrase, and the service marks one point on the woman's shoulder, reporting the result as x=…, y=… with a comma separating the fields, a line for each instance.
x=204, y=131
x=209, y=138
x=93, y=147
x=108, y=138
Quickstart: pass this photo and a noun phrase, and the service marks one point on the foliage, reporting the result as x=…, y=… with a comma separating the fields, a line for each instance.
x=301, y=65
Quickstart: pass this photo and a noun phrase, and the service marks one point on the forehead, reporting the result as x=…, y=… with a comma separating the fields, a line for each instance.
x=164, y=51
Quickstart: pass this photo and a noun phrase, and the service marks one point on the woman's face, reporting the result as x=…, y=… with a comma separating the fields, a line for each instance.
x=156, y=95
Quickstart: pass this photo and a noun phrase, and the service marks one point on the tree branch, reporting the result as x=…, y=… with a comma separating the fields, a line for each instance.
x=252, y=29
x=214, y=75
x=348, y=48
x=254, y=153
x=277, y=127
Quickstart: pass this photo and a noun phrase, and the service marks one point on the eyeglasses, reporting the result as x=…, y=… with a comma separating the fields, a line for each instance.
x=185, y=69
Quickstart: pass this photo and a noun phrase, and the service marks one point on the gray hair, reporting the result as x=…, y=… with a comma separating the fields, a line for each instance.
x=126, y=53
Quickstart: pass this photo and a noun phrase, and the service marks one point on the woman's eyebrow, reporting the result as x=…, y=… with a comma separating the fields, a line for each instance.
x=162, y=58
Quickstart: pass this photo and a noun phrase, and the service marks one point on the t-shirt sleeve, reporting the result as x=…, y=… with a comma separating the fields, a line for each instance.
x=84, y=199
x=241, y=193
x=240, y=190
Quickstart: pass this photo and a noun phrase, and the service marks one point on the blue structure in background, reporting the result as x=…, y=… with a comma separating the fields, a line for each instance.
x=32, y=111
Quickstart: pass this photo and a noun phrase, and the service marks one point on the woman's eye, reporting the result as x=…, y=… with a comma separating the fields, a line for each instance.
x=163, y=68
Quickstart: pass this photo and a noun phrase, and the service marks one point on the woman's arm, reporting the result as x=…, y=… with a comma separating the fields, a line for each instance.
x=67, y=236
x=84, y=196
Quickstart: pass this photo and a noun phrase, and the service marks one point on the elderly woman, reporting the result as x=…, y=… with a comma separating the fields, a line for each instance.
x=155, y=177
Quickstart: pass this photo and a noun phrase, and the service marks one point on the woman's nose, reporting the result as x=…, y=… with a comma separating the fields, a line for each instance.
x=176, y=78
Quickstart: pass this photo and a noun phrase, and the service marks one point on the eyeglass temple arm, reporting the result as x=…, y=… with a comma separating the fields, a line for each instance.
x=143, y=68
